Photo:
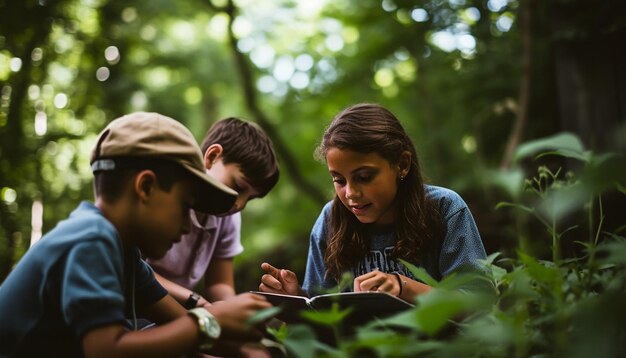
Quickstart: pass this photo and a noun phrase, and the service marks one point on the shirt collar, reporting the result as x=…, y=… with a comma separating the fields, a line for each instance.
x=211, y=221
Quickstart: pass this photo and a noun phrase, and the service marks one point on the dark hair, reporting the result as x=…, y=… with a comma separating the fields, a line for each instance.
x=247, y=145
x=110, y=184
x=370, y=128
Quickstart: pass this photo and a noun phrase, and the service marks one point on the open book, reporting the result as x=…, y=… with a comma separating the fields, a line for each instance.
x=365, y=305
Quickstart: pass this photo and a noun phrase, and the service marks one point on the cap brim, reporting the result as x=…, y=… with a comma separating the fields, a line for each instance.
x=213, y=197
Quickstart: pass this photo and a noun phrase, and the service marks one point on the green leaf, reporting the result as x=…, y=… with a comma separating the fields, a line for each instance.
x=615, y=252
x=420, y=273
x=583, y=157
x=376, y=336
x=385, y=342
x=520, y=282
x=407, y=319
x=279, y=332
x=391, y=343
x=566, y=144
x=330, y=317
x=516, y=206
x=605, y=171
x=541, y=273
x=498, y=273
x=492, y=329
x=560, y=203
x=466, y=281
x=490, y=258
x=438, y=308
x=263, y=315
x=301, y=342
x=510, y=181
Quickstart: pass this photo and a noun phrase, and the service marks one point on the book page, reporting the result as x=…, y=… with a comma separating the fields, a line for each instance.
x=365, y=306
x=291, y=305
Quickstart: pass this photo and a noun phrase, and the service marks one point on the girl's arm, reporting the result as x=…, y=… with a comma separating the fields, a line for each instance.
x=392, y=283
x=219, y=280
x=410, y=288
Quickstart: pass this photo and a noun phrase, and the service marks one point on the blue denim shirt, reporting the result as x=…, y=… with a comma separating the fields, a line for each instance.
x=69, y=282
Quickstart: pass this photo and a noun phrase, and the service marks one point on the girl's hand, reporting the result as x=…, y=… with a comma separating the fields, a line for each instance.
x=377, y=281
x=279, y=281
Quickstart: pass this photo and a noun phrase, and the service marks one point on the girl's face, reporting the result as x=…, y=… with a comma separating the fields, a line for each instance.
x=366, y=184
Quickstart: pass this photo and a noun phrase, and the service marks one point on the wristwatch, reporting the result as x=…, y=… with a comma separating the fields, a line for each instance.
x=209, y=327
x=192, y=301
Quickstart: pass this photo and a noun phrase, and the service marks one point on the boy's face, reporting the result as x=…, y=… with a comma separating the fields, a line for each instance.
x=231, y=175
x=165, y=219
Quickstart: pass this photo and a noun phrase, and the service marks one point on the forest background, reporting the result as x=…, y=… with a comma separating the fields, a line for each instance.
x=470, y=79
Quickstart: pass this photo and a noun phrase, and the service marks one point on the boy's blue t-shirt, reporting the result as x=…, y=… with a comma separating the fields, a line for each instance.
x=69, y=282
x=460, y=249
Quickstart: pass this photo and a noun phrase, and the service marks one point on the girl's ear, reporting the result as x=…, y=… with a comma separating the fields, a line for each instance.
x=404, y=165
x=212, y=154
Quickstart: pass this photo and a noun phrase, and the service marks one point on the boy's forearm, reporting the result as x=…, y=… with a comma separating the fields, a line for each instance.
x=180, y=293
x=172, y=339
x=165, y=310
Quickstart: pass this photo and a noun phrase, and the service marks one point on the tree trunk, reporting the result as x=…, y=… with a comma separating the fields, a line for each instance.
x=282, y=150
x=517, y=132
x=590, y=62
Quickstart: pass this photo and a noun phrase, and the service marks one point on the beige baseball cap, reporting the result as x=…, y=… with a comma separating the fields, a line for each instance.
x=152, y=136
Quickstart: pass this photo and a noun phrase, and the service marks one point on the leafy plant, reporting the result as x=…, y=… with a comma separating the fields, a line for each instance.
x=566, y=306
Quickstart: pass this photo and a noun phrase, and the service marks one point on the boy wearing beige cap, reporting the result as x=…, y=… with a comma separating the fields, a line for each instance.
x=71, y=292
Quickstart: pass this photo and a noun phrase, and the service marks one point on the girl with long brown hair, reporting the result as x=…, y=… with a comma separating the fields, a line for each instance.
x=382, y=212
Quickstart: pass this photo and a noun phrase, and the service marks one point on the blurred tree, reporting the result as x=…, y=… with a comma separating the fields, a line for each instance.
x=22, y=52
x=590, y=53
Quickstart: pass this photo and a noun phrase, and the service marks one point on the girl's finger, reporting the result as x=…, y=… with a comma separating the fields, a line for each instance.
x=270, y=269
x=271, y=282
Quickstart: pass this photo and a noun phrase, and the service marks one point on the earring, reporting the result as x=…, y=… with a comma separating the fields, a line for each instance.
x=401, y=177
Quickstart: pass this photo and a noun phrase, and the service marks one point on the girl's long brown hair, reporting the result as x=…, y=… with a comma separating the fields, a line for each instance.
x=370, y=128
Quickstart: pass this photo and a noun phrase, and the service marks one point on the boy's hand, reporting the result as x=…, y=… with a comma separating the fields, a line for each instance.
x=233, y=314
x=279, y=281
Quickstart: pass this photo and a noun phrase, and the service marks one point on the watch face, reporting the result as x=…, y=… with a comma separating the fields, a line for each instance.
x=209, y=326
x=213, y=328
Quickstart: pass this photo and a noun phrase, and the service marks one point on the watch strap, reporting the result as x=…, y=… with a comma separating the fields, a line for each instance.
x=192, y=300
